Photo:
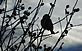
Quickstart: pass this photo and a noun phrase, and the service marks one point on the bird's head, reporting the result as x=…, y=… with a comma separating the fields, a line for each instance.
x=46, y=16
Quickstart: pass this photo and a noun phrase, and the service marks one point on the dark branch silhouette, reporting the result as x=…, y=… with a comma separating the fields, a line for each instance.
x=10, y=40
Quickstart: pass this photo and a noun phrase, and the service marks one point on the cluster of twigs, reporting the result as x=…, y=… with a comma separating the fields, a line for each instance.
x=8, y=41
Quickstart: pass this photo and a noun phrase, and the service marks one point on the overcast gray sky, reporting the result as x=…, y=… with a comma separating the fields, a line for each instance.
x=75, y=34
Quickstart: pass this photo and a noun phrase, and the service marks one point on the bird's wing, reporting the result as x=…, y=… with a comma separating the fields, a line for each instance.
x=49, y=24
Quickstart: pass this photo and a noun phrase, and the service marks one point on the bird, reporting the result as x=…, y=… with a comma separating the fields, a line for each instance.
x=47, y=24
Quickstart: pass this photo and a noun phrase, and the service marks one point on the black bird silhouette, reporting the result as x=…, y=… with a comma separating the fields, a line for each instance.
x=47, y=24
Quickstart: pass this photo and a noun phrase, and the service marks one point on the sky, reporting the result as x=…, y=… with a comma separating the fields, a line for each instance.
x=73, y=40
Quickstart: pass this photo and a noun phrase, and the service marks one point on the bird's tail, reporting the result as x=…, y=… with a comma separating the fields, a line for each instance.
x=52, y=32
